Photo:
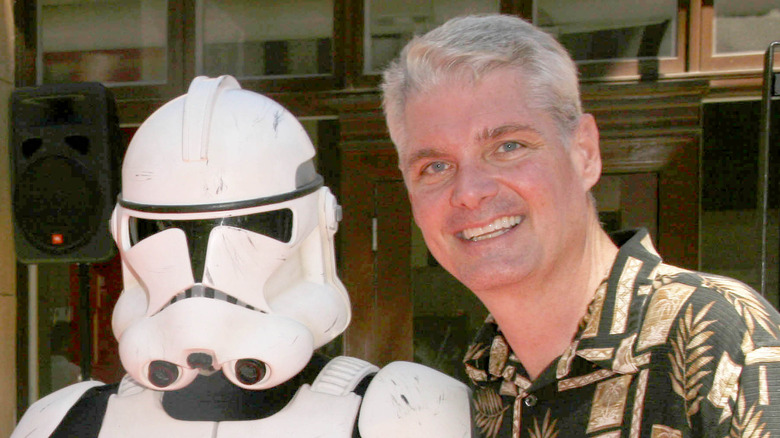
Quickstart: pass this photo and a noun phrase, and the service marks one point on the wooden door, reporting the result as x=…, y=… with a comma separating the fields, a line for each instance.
x=375, y=244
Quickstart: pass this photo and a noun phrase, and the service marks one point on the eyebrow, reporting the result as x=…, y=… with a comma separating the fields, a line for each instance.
x=421, y=155
x=493, y=133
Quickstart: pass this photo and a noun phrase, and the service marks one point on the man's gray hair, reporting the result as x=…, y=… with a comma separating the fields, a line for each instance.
x=467, y=48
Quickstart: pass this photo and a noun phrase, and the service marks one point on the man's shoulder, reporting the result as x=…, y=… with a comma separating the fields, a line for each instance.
x=668, y=277
x=704, y=296
x=702, y=286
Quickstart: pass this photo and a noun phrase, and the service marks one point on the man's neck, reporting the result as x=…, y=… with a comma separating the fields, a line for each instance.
x=540, y=317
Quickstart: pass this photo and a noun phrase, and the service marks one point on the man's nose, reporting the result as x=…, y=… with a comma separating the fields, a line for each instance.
x=473, y=185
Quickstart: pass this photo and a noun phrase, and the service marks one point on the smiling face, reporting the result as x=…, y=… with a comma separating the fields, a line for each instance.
x=499, y=198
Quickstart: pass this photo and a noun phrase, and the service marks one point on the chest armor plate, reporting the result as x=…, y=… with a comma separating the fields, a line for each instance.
x=138, y=412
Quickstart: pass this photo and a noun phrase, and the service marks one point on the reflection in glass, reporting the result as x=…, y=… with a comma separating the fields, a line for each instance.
x=447, y=315
x=745, y=26
x=249, y=38
x=611, y=29
x=390, y=24
x=64, y=368
x=731, y=216
x=109, y=41
x=627, y=201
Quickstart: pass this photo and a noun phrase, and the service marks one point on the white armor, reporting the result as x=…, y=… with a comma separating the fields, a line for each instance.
x=226, y=238
x=404, y=400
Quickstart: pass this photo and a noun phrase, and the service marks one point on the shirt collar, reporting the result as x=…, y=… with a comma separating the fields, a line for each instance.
x=608, y=331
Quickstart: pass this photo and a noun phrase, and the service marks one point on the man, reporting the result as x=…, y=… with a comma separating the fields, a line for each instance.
x=587, y=334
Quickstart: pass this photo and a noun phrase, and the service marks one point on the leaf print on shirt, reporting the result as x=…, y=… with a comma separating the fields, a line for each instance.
x=547, y=429
x=475, y=353
x=747, y=423
x=689, y=359
x=746, y=304
x=490, y=411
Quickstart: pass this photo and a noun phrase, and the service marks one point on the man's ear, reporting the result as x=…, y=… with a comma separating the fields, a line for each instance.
x=586, y=152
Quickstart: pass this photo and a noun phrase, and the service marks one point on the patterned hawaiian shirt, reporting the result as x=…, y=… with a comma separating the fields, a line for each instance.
x=662, y=352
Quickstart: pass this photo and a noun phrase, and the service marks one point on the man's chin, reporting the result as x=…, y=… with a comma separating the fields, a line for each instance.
x=482, y=278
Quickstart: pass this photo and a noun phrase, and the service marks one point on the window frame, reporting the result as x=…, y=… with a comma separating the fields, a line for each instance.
x=645, y=68
x=704, y=59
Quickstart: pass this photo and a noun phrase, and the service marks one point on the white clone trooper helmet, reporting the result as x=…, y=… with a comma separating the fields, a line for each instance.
x=225, y=231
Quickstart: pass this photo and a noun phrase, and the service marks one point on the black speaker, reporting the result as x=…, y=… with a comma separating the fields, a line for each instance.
x=65, y=148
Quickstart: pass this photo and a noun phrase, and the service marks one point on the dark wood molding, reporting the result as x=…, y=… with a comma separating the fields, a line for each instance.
x=25, y=13
x=521, y=8
x=641, y=154
x=745, y=85
x=646, y=110
x=352, y=43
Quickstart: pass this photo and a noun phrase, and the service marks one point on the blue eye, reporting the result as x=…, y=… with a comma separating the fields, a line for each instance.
x=509, y=146
x=436, y=167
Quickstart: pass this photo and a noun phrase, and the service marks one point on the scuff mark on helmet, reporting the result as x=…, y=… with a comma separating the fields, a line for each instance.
x=145, y=175
x=249, y=238
x=220, y=186
x=277, y=118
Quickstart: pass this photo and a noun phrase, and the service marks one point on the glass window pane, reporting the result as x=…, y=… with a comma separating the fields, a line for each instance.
x=110, y=41
x=250, y=39
x=628, y=201
x=447, y=315
x=632, y=28
x=745, y=26
x=390, y=24
x=731, y=215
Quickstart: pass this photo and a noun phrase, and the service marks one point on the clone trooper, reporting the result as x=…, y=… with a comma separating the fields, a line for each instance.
x=225, y=231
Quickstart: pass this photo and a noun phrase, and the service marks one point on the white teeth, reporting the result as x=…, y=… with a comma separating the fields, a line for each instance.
x=496, y=228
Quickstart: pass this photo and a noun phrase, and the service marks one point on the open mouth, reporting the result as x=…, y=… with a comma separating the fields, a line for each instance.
x=494, y=229
x=200, y=291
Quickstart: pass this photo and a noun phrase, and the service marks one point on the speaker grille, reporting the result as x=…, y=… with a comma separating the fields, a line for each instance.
x=65, y=149
x=55, y=201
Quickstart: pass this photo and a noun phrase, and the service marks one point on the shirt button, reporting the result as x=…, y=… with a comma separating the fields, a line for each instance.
x=530, y=401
